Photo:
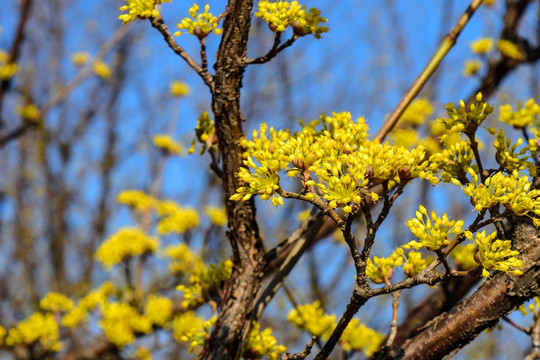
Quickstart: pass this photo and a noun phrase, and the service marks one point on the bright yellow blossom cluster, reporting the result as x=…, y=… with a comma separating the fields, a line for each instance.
x=357, y=336
x=482, y=46
x=217, y=215
x=463, y=255
x=204, y=133
x=433, y=234
x=39, y=329
x=7, y=69
x=79, y=313
x=188, y=327
x=56, y=302
x=200, y=24
x=182, y=259
x=136, y=199
x=204, y=283
x=168, y=144
x=337, y=162
x=417, y=112
x=510, y=159
x=261, y=344
x=381, y=270
x=179, y=89
x=158, y=309
x=140, y=9
x=532, y=306
x=509, y=49
x=121, y=322
x=311, y=317
x=494, y=254
x=174, y=218
x=102, y=70
x=282, y=14
x=29, y=113
x=125, y=243
x=415, y=263
x=453, y=162
x=525, y=114
x=466, y=121
x=513, y=191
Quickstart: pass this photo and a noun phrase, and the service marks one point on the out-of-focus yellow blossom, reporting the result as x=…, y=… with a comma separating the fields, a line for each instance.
x=513, y=191
x=126, y=242
x=136, y=199
x=80, y=58
x=204, y=133
x=74, y=317
x=494, y=254
x=29, y=113
x=101, y=69
x=200, y=24
x=217, y=215
x=188, y=327
x=142, y=353
x=406, y=137
x=524, y=115
x=204, y=283
x=282, y=14
x=141, y=9
x=359, y=337
x=381, y=269
x=453, y=162
x=417, y=112
x=312, y=318
x=182, y=259
x=179, y=89
x=490, y=2
x=55, y=302
x=79, y=313
x=466, y=121
x=482, y=46
x=303, y=215
x=7, y=68
x=415, y=263
x=2, y=334
x=37, y=328
x=509, y=49
x=158, y=309
x=471, y=67
x=510, y=159
x=433, y=234
x=464, y=256
x=168, y=144
x=121, y=322
x=339, y=154
x=261, y=344
x=532, y=306
x=174, y=218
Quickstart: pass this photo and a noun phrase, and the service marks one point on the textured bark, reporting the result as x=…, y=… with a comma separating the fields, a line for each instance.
x=247, y=251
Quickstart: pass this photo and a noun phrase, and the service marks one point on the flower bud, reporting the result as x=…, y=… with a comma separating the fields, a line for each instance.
x=299, y=164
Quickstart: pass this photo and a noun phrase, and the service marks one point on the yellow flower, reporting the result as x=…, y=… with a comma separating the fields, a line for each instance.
x=7, y=69
x=415, y=263
x=471, y=67
x=524, y=115
x=158, y=309
x=312, y=318
x=417, y=112
x=55, y=302
x=188, y=327
x=126, y=242
x=261, y=344
x=120, y=323
x=174, y=218
x=357, y=336
x=167, y=144
x=464, y=256
x=136, y=199
x=37, y=328
x=142, y=9
x=29, y=113
x=217, y=215
x=178, y=89
x=80, y=58
x=101, y=69
x=482, y=46
x=142, y=353
x=433, y=234
x=509, y=49
x=182, y=259
x=199, y=25
x=204, y=133
x=382, y=269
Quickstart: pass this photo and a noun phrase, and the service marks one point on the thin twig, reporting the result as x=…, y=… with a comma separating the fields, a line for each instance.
x=274, y=51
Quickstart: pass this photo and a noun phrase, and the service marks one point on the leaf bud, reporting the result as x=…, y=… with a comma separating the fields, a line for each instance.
x=299, y=164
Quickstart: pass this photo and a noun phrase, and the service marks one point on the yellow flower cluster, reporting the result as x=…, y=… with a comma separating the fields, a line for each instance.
x=182, y=259
x=417, y=112
x=126, y=242
x=494, y=254
x=200, y=24
x=217, y=215
x=381, y=270
x=37, y=328
x=188, y=327
x=121, y=322
x=471, y=67
x=465, y=121
x=532, y=306
x=433, y=234
x=510, y=159
x=80, y=58
x=453, y=162
x=464, y=256
x=415, y=263
x=168, y=144
x=29, y=113
x=96, y=297
x=282, y=14
x=513, y=191
x=158, y=309
x=7, y=68
x=204, y=133
x=261, y=344
x=312, y=318
x=56, y=302
x=101, y=69
x=179, y=89
x=524, y=115
x=142, y=353
x=2, y=334
x=204, y=283
x=141, y=9
x=509, y=49
x=136, y=199
x=174, y=218
x=482, y=46
x=339, y=154
x=357, y=336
